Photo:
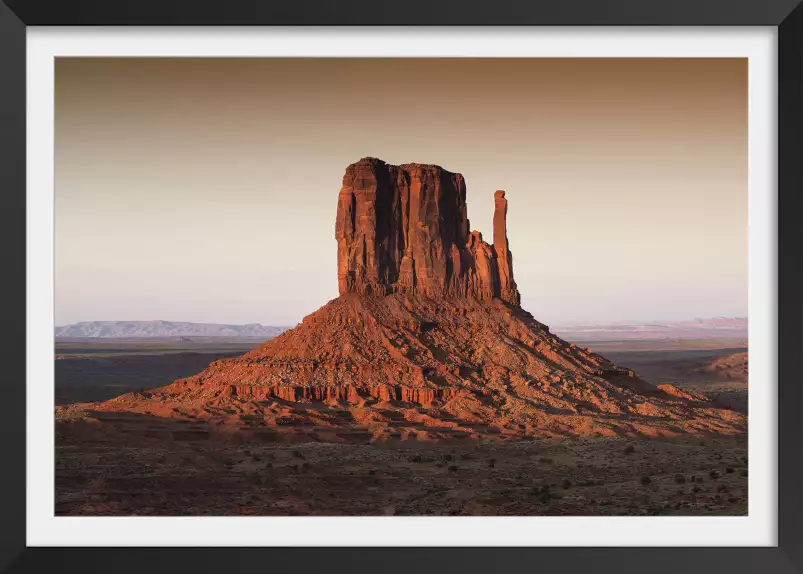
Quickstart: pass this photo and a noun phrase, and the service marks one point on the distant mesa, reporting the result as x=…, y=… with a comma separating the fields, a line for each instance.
x=120, y=329
x=717, y=328
x=426, y=341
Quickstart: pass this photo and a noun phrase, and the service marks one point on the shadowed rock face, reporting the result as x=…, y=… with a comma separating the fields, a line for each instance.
x=404, y=229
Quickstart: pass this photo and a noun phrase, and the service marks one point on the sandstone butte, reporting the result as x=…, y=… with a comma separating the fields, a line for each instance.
x=427, y=341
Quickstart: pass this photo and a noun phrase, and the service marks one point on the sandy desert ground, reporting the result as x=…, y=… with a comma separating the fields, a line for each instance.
x=558, y=477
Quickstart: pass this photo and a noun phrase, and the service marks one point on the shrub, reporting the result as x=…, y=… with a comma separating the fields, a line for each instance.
x=453, y=468
x=492, y=463
x=540, y=490
x=629, y=448
x=544, y=494
x=713, y=474
x=696, y=489
x=567, y=483
x=680, y=479
x=645, y=480
x=729, y=470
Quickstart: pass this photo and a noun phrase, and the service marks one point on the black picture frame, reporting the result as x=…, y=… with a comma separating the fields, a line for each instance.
x=786, y=15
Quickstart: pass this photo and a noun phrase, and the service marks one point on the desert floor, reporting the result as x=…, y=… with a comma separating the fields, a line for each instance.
x=141, y=472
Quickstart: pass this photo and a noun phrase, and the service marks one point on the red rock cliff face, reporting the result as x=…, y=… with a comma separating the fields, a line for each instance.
x=404, y=229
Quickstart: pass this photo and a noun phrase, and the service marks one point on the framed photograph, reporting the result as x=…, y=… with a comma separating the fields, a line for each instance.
x=421, y=287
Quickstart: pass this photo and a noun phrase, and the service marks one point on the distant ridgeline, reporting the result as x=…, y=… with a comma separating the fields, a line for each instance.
x=166, y=329
x=715, y=328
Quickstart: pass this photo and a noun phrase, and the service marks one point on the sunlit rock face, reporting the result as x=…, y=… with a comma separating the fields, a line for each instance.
x=404, y=229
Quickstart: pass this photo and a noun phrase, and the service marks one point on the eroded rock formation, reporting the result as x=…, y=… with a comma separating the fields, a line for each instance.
x=405, y=229
x=426, y=341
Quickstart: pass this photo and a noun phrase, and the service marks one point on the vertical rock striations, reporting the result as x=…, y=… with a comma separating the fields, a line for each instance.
x=404, y=229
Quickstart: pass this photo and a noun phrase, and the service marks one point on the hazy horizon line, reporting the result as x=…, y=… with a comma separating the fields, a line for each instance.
x=565, y=323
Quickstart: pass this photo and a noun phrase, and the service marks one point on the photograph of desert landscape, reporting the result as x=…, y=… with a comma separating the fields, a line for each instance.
x=478, y=287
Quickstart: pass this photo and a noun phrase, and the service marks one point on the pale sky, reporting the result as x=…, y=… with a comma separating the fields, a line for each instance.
x=206, y=190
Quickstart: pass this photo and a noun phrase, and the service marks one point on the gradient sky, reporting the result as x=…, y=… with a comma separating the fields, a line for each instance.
x=206, y=189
